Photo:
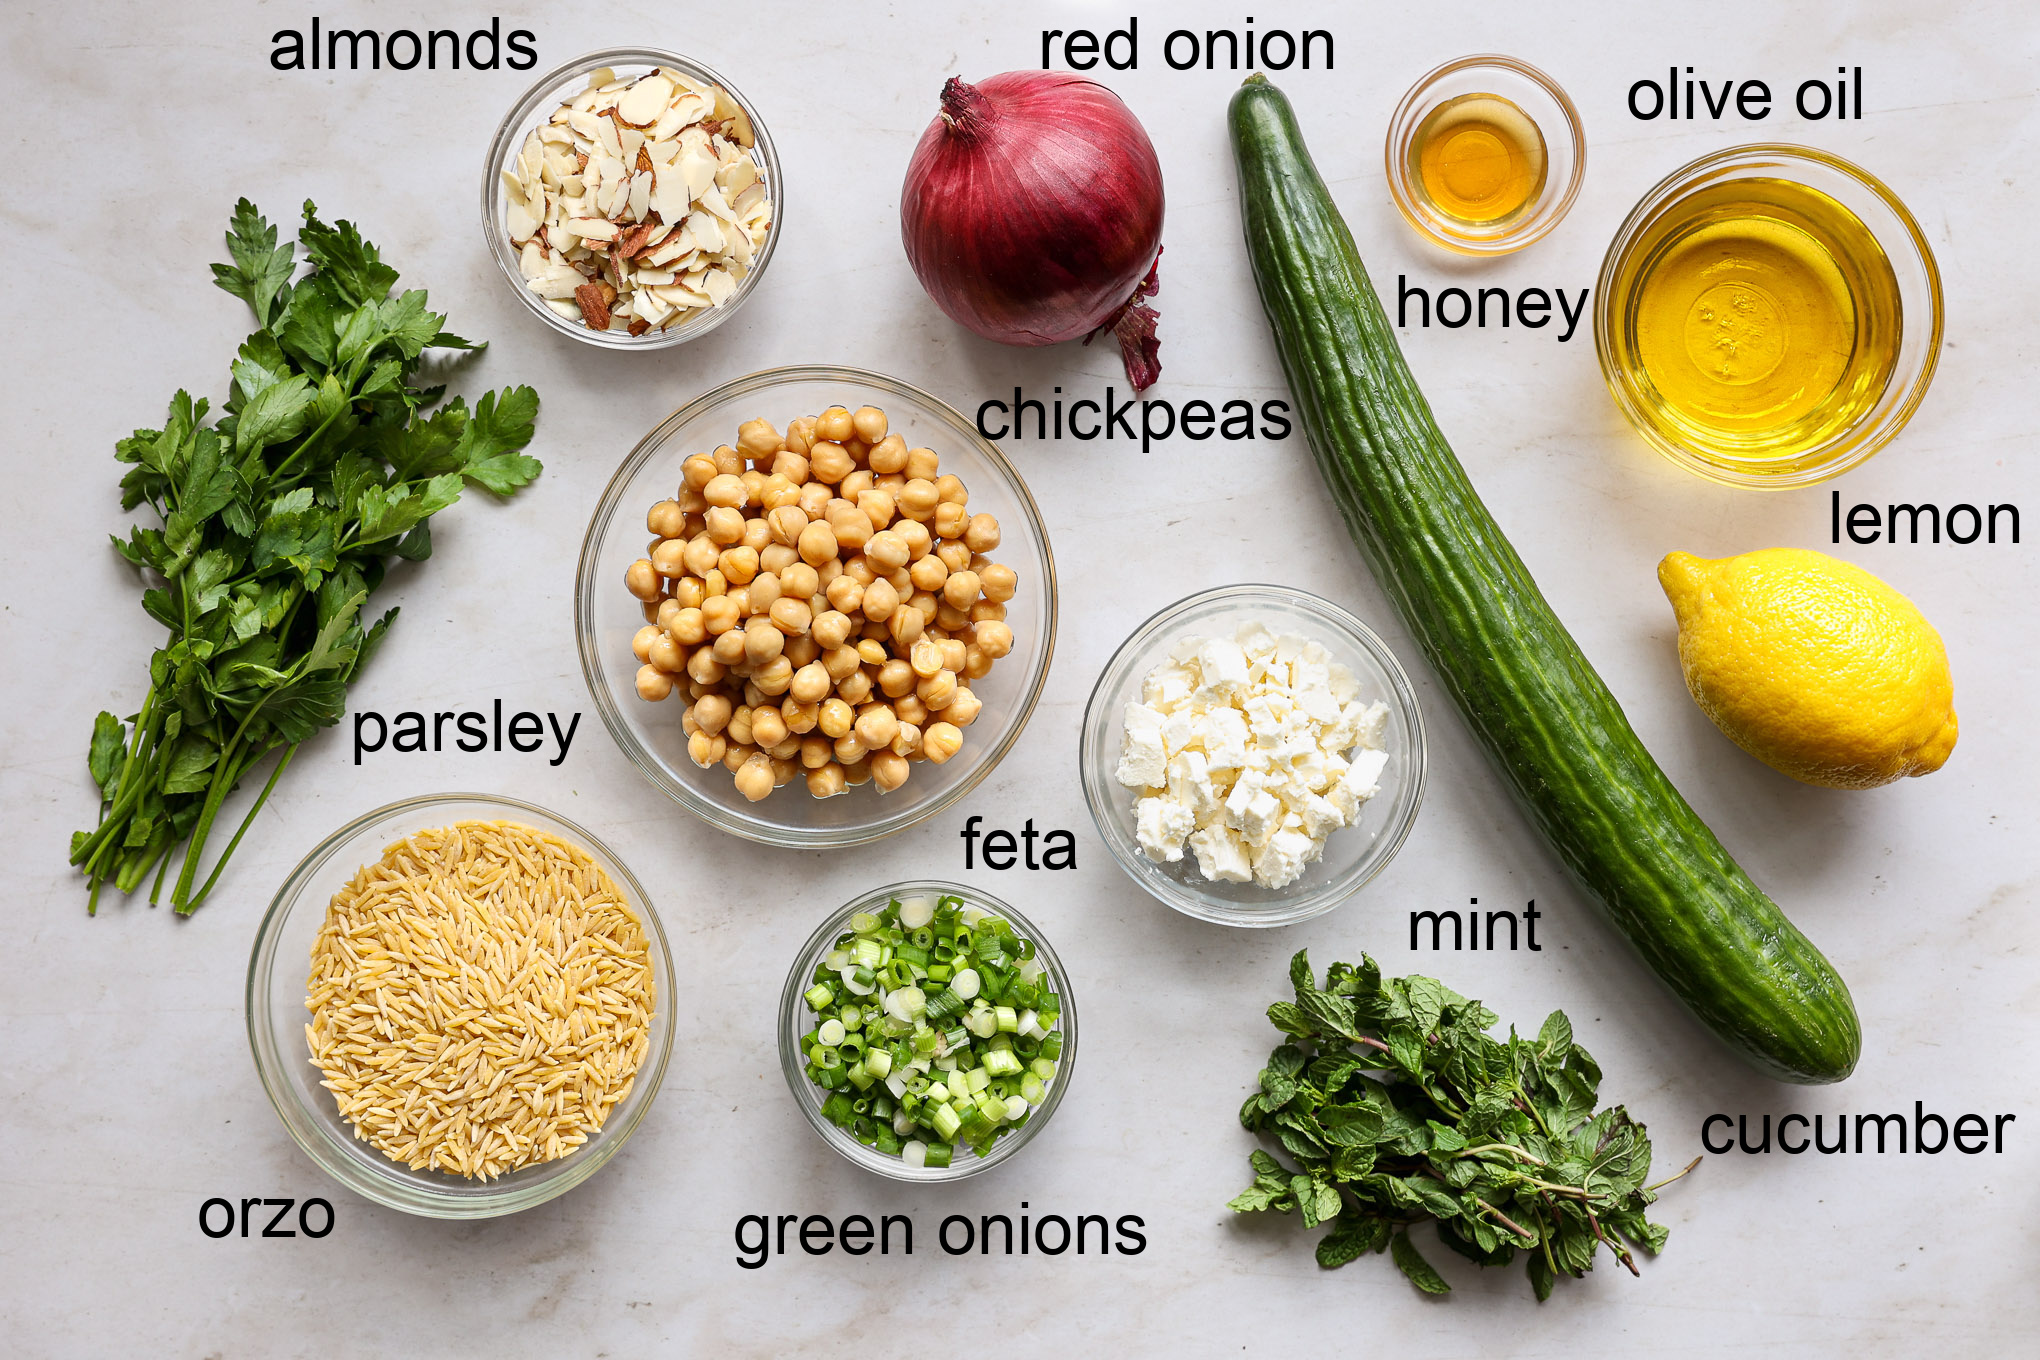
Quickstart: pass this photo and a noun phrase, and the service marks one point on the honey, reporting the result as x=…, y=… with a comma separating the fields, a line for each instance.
x=1478, y=160
x=1756, y=320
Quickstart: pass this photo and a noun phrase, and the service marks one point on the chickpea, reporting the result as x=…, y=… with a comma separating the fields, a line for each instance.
x=739, y=728
x=937, y=690
x=830, y=630
x=888, y=771
x=926, y=657
x=642, y=580
x=725, y=526
x=881, y=598
x=963, y=709
x=642, y=640
x=976, y=665
x=854, y=689
x=918, y=499
x=653, y=684
x=954, y=556
x=801, y=650
x=718, y=614
x=800, y=434
x=690, y=499
x=869, y=423
x=799, y=580
x=814, y=498
x=872, y=652
x=876, y=726
x=754, y=777
x=776, y=558
x=689, y=592
x=699, y=470
x=768, y=726
x=982, y=535
x=942, y=741
x=885, y=551
x=712, y=713
x=800, y=718
x=757, y=438
x=930, y=573
x=739, y=565
x=926, y=603
x=889, y=481
x=910, y=709
x=811, y=684
x=830, y=462
x=953, y=652
x=858, y=773
x=851, y=526
x=835, y=423
x=854, y=486
x=906, y=741
x=836, y=718
x=784, y=771
x=906, y=627
x=785, y=524
x=950, y=619
x=792, y=466
x=816, y=752
x=703, y=667
x=845, y=594
x=888, y=455
x=774, y=677
x=841, y=663
x=850, y=749
x=735, y=755
x=728, y=460
x=726, y=489
x=689, y=627
x=669, y=557
x=728, y=648
x=961, y=588
x=878, y=507
x=951, y=520
x=713, y=584
x=764, y=591
x=668, y=655
x=705, y=750
x=790, y=616
x=817, y=544
x=762, y=640
x=876, y=632
x=918, y=540
x=994, y=640
x=827, y=781
x=922, y=463
x=666, y=519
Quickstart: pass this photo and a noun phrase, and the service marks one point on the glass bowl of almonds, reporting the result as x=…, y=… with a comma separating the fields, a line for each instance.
x=815, y=606
x=631, y=197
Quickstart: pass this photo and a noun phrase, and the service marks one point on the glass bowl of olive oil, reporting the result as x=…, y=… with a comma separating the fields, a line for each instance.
x=1768, y=316
x=1485, y=155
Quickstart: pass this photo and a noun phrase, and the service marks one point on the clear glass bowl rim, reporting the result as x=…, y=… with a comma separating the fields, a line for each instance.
x=334, y=1161
x=1402, y=124
x=793, y=1012
x=1755, y=156
x=585, y=629
x=509, y=134
x=1401, y=693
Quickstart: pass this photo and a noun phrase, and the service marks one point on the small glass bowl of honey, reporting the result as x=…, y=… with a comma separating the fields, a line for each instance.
x=1485, y=155
x=1768, y=316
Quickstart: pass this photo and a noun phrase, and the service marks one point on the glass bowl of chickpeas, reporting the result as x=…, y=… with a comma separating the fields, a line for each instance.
x=815, y=606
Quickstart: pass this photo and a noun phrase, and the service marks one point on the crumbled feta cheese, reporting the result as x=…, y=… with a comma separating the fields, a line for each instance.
x=1252, y=751
x=1142, y=759
x=1160, y=825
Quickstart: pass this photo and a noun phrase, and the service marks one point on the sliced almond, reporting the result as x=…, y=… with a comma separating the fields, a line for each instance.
x=719, y=285
x=643, y=102
x=592, y=228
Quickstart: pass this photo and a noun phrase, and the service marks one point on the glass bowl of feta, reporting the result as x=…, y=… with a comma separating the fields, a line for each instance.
x=1253, y=755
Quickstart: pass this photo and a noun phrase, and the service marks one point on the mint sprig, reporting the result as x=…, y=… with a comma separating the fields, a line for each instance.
x=1397, y=1107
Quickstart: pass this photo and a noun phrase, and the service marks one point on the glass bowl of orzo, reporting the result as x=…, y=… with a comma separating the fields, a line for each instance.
x=460, y=1005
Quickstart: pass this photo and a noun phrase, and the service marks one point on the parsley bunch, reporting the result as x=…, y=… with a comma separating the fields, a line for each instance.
x=1497, y=1142
x=276, y=523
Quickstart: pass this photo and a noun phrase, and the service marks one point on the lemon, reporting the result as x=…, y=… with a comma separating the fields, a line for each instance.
x=1812, y=665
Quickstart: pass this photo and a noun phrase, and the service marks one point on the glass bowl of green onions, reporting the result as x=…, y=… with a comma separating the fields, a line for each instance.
x=927, y=1031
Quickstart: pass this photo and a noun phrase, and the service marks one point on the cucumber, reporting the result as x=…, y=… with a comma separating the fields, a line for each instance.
x=1548, y=723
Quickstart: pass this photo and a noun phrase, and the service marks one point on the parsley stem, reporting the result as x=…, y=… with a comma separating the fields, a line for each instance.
x=246, y=822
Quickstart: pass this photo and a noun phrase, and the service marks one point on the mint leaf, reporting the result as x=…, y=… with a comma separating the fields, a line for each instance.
x=1412, y=1263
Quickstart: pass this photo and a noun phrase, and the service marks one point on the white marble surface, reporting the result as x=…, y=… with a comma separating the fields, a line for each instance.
x=126, y=1091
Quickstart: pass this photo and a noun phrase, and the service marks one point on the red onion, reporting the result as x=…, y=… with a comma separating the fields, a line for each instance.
x=1032, y=214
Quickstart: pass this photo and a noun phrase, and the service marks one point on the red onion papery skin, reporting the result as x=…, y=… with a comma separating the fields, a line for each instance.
x=1032, y=213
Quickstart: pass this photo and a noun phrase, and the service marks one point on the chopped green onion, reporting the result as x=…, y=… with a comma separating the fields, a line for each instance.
x=818, y=996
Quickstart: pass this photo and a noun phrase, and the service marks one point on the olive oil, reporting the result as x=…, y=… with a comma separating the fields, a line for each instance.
x=1757, y=320
x=1478, y=160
